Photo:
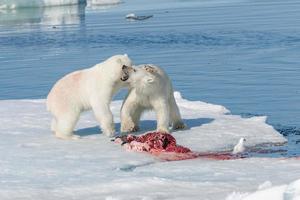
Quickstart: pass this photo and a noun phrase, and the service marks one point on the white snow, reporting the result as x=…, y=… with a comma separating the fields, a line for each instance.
x=36, y=165
x=282, y=192
x=265, y=185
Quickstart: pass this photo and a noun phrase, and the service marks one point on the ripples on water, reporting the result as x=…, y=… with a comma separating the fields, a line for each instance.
x=241, y=54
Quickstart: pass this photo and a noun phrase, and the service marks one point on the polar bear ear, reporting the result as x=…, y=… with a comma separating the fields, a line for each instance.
x=126, y=55
x=119, y=61
x=150, y=80
x=150, y=69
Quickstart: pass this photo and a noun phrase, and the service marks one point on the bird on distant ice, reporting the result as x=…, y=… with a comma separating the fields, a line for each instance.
x=240, y=147
x=132, y=16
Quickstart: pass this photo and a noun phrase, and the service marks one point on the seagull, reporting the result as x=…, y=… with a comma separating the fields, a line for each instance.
x=240, y=147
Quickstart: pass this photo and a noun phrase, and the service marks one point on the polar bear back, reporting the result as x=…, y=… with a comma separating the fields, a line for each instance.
x=78, y=89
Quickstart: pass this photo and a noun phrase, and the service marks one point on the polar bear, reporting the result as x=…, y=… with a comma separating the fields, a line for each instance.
x=91, y=88
x=150, y=88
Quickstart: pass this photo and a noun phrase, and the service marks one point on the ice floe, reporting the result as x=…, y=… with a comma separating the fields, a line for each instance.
x=36, y=165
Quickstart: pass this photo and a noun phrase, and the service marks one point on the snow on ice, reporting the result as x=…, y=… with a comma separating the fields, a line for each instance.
x=281, y=192
x=36, y=165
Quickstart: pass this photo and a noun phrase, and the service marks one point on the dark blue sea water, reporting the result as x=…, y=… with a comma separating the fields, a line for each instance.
x=243, y=54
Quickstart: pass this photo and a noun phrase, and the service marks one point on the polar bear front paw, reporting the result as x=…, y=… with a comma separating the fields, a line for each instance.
x=67, y=136
x=110, y=133
x=163, y=130
x=134, y=129
x=179, y=125
x=130, y=129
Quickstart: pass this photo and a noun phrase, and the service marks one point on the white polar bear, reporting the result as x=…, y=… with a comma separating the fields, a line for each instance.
x=91, y=88
x=150, y=88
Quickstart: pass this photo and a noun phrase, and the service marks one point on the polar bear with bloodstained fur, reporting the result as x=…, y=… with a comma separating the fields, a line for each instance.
x=150, y=88
x=91, y=88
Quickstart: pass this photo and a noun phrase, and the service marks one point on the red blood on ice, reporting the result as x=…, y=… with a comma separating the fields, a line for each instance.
x=163, y=145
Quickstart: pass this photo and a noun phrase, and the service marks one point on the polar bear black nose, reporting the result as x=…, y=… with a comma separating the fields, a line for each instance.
x=124, y=67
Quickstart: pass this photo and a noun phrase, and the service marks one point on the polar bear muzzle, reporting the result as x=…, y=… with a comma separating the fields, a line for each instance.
x=126, y=70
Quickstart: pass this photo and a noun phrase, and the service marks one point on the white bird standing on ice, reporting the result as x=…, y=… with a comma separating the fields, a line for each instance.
x=240, y=147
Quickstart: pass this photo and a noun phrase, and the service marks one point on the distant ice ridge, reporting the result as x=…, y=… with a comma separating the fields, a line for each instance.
x=13, y=4
x=48, y=16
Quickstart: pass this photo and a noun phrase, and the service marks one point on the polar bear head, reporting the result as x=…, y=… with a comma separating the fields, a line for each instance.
x=145, y=78
x=117, y=68
x=140, y=75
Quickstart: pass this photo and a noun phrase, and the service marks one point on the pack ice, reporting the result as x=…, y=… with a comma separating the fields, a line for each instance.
x=36, y=165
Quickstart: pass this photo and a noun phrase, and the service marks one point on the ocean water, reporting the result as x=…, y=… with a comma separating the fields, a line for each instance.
x=243, y=54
